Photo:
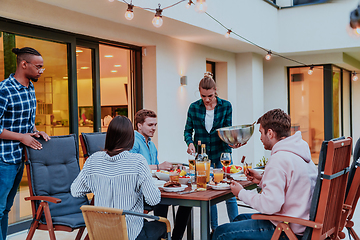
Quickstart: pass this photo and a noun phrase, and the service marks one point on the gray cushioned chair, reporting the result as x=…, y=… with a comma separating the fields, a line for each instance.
x=50, y=172
x=92, y=142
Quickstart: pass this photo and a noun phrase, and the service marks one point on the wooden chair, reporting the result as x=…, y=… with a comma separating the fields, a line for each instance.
x=109, y=223
x=352, y=195
x=50, y=172
x=92, y=142
x=328, y=197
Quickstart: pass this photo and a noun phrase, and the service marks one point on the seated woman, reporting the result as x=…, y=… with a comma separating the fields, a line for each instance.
x=120, y=179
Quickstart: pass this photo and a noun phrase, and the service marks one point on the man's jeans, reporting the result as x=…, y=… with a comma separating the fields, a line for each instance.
x=244, y=227
x=152, y=230
x=232, y=211
x=10, y=178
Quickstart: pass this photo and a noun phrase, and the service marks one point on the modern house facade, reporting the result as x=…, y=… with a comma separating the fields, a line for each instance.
x=98, y=65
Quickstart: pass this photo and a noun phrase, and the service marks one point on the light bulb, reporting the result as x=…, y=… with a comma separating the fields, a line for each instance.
x=268, y=55
x=357, y=30
x=157, y=21
x=311, y=70
x=129, y=14
x=355, y=77
x=200, y=6
x=227, y=35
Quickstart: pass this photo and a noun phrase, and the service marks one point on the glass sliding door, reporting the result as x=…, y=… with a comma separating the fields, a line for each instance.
x=115, y=83
x=307, y=106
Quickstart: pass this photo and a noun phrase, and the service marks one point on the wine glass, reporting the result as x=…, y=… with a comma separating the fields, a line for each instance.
x=225, y=159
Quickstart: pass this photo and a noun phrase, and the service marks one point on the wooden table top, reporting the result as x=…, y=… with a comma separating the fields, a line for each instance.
x=207, y=195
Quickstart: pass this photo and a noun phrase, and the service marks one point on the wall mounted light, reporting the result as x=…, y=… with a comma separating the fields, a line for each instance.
x=183, y=80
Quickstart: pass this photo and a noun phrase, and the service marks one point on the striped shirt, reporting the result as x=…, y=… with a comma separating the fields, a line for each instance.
x=17, y=114
x=121, y=181
x=195, y=123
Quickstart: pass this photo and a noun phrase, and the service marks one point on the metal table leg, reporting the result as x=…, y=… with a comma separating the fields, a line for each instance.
x=205, y=220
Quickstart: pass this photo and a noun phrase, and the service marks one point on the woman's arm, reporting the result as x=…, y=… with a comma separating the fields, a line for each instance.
x=80, y=187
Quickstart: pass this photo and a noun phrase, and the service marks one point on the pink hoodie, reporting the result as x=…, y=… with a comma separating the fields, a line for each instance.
x=288, y=182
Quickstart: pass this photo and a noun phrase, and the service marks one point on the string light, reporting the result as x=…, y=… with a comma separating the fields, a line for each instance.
x=311, y=70
x=111, y=0
x=227, y=35
x=189, y=4
x=354, y=77
x=268, y=55
x=157, y=20
x=129, y=14
x=200, y=6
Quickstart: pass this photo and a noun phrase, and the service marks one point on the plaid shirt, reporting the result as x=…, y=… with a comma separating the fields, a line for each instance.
x=196, y=123
x=17, y=114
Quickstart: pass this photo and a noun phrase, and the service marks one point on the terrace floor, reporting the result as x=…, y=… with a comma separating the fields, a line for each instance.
x=43, y=235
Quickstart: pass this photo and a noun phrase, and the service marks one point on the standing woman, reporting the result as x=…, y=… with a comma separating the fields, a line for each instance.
x=204, y=117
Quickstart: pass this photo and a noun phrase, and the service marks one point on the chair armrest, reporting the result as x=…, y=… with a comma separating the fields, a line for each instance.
x=43, y=198
x=281, y=218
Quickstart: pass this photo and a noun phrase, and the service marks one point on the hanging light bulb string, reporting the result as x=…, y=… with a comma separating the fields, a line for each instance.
x=229, y=32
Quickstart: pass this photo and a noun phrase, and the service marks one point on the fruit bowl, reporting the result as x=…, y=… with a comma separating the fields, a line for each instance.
x=236, y=134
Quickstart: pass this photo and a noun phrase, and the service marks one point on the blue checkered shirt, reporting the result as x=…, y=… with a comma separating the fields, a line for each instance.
x=195, y=123
x=17, y=114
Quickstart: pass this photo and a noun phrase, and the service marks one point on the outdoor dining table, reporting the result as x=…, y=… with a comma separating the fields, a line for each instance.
x=202, y=199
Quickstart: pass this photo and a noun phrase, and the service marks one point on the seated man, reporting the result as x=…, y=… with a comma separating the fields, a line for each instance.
x=145, y=123
x=120, y=179
x=287, y=183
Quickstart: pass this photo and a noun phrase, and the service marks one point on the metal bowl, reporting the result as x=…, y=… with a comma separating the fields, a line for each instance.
x=236, y=134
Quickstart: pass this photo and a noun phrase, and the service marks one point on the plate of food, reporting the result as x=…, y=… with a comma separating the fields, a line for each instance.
x=158, y=183
x=162, y=175
x=239, y=177
x=173, y=187
x=220, y=186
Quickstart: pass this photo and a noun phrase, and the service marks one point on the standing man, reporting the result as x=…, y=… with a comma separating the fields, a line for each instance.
x=287, y=183
x=17, y=126
x=145, y=123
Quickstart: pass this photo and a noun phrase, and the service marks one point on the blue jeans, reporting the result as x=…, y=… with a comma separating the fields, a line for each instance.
x=232, y=211
x=152, y=230
x=231, y=206
x=10, y=178
x=245, y=228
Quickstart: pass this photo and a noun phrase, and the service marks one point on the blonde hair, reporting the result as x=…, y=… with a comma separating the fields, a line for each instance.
x=207, y=82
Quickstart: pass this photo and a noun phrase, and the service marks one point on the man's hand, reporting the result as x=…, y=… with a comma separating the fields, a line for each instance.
x=42, y=134
x=236, y=145
x=165, y=166
x=236, y=188
x=191, y=149
x=29, y=141
x=253, y=175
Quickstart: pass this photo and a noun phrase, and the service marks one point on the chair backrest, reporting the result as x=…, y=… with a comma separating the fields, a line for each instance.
x=105, y=223
x=52, y=170
x=352, y=189
x=329, y=193
x=92, y=142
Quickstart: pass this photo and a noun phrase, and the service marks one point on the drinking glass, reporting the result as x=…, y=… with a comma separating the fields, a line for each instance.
x=191, y=159
x=218, y=175
x=225, y=159
x=174, y=176
x=201, y=180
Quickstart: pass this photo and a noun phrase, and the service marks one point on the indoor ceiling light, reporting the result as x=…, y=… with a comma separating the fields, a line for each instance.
x=113, y=71
x=108, y=56
x=78, y=50
x=83, y=68
x=117, y=65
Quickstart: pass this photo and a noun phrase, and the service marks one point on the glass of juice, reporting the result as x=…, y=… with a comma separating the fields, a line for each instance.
x=247, y=166
x=218, y=175
x=201, y=180
x=174, y=176
x=191, y=162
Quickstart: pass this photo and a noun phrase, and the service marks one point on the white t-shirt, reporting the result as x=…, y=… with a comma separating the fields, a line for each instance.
x=209, y=120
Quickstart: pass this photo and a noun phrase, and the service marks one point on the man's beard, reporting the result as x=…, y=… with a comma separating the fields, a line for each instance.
x=34, y=79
